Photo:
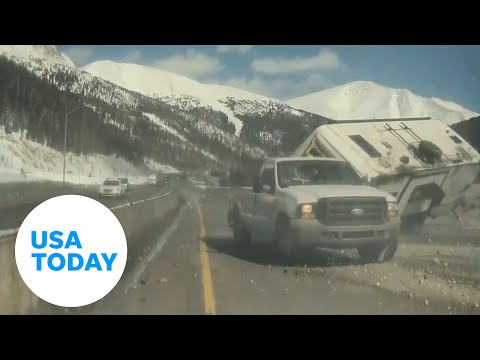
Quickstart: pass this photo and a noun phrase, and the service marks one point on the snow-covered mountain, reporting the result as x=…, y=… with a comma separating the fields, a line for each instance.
x=188, y=93
x=46, y=52
x=259, y=120
x=135, y=118
x=368, y=100
x=135, y=114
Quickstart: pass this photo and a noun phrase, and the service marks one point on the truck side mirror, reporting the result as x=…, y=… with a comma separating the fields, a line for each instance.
x=365, y=180
x=267, y=188
x=257, y=186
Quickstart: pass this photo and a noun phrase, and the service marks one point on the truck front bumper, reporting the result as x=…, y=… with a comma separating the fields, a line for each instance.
x=311, y=233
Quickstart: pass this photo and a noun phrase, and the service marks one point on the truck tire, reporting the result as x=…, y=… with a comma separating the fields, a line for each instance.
x=379, y=253
x=413, y=223
x=241, y=235
x=285, y=241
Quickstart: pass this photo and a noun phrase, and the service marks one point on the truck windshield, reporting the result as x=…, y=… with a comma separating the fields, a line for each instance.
x=293, y=173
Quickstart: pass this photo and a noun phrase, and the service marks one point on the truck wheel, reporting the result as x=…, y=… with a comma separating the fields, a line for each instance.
x=379, y=253
x=413, y=223
x=241, y=236
x=284, y=240
x=230, y=218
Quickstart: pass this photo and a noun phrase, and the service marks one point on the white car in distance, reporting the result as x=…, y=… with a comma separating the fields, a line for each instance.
x=152, y=180
x=111, y=188
x=200, y=185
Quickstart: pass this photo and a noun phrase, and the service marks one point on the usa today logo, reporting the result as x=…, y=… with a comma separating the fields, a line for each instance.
x=71, y=251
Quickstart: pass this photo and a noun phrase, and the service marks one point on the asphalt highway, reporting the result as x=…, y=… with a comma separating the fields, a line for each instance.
x=18, y=201
x=191, y=265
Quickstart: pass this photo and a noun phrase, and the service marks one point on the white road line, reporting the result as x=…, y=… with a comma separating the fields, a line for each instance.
x=140, y=201
x=159, y=196
x=120, y=206
x=6, y=234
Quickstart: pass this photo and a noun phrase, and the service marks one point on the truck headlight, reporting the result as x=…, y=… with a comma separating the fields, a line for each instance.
x=392, y=211
x=306, y=211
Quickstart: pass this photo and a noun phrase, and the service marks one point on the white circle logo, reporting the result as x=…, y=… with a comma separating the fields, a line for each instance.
x=71, y=251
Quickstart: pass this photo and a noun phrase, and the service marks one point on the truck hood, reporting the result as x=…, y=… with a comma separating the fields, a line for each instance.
x=307, y=193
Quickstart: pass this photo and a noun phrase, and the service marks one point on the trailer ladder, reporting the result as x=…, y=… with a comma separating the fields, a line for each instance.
x=412, y=146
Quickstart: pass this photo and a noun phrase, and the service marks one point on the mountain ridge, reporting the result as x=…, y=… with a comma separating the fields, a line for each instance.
x=369, y=100
x=114, y=121
x=45, y=52
x=177, y=88
x=130, y=114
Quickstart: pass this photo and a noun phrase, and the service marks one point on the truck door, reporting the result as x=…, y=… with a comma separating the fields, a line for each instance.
x=264, y=205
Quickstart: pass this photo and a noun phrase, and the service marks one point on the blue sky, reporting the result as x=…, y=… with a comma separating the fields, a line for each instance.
x=447, y=72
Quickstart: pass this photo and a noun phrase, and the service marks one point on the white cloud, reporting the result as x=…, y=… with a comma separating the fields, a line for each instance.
x=256, y=85
x=280, y=88
x=79, y=54
x=314, y=82
x=324, y=60
x=132, y=57
x=191, y=64
x=239, y=49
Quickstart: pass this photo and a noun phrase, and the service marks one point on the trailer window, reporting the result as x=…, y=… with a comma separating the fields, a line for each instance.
x=456, y=139
x=366, y=146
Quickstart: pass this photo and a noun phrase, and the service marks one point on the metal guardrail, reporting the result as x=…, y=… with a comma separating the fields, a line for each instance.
x=354, y=121
x=139, y=201
x=7, y=235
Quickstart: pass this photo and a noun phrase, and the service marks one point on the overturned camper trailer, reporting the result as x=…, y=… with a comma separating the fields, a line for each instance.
x=424, y=163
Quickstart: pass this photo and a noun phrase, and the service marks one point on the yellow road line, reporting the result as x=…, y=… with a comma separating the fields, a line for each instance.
x=207, y=283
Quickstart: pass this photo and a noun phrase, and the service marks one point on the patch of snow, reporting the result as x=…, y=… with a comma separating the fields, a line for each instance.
x=155, y=166
x=208, y=154
x=156, y=120
x=274, y=138
x=25, y=161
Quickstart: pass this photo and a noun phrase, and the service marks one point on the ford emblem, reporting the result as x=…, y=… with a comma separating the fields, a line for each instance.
x=357, y=212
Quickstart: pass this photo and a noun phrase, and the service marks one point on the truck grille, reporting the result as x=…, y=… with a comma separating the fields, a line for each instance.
x=352, y=211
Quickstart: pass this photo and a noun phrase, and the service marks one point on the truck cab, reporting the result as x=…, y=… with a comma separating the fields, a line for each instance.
x=299, y=203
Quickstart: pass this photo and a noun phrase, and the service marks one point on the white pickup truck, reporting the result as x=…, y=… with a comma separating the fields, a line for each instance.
x=301, y=203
